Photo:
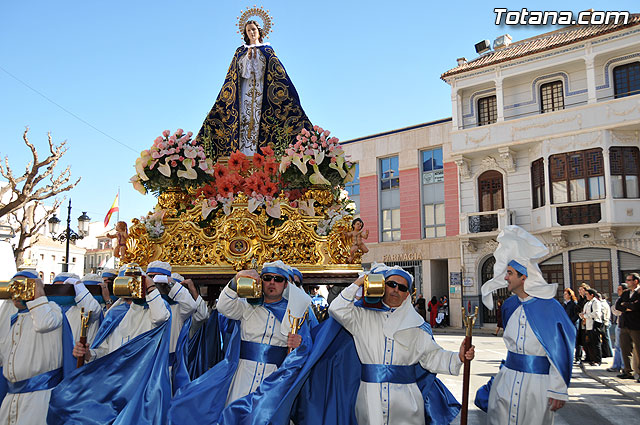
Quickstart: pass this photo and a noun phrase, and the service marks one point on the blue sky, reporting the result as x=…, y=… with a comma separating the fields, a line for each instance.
x=109, y=76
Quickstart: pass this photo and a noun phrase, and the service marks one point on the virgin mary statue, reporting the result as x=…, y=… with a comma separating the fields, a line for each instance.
x=257, y=105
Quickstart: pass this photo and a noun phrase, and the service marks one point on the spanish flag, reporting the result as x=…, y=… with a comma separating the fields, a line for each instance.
x=113, y=209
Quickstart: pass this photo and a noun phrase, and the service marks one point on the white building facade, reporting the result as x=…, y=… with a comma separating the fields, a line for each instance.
x=546, y=135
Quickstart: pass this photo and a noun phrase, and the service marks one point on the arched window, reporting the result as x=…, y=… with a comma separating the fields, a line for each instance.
x=551, y=97
x=626, y=79
x=490, y=191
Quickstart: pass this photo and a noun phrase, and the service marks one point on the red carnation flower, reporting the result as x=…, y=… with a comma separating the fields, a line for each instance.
x=220, y=171
x=270, y=167
x=224, y=186
x=258, y=160
x=237, y=160
x=270, y=189
x=267, y=151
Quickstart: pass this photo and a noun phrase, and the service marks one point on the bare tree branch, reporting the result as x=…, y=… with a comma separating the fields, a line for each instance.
x=30, y=225
x=27, y=187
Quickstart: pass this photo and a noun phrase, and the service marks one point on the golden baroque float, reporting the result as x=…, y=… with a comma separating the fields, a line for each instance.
x=242, y=239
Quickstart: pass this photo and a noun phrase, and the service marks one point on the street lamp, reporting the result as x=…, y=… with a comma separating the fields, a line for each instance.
x=69, y=235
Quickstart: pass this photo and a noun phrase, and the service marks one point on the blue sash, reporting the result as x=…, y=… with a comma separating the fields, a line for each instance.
x=44, y=381
x=262, y=353
x=527, y=363
x=394, y=374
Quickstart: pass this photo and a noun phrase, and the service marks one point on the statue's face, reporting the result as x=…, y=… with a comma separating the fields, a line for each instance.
x=253, y=33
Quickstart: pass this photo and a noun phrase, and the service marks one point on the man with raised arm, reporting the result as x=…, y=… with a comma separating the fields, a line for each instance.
x=398, y=354
x=31, y=355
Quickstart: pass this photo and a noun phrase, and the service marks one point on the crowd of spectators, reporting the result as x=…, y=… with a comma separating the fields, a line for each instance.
x=595, y=318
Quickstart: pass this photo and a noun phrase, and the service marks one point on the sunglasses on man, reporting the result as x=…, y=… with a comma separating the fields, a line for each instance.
x=392, y=284
x=269, y=277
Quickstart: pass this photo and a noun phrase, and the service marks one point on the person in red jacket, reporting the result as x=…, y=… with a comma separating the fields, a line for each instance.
x=434, y=304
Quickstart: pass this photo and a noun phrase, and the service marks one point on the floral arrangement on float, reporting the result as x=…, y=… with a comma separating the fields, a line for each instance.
x=153, y=224
x=315, y=161
x=257, y=178
x=344, y=207
x=174, y=161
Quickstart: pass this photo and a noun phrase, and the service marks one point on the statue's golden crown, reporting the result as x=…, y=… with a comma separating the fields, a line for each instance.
x=255, y=12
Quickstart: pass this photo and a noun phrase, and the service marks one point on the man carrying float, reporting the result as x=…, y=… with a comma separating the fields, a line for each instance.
x=398, y=354
x=127, y=378
x=267, y=325
x=32, y=355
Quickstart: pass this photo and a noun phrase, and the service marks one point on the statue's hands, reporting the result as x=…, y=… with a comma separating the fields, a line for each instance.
x=360, y=281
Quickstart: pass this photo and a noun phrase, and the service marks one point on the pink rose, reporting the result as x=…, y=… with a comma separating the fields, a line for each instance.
x=181, y=158
x=158, y=140
x=173, y=139
x=315, y=128
x=314, y=139
x=173, y=163
x=189, y=134
x=312, y=162
x=334, y=159
x=179, y=132
x=324, y=144
x=166, y=133
x=331, y=148
x=326, y=133
x=315, y=146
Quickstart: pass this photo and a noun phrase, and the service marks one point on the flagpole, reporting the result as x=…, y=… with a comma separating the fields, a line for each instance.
x=118, y=216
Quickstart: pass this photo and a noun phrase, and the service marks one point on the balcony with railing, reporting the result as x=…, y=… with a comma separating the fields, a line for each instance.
x=486, y=223
x=534, y=126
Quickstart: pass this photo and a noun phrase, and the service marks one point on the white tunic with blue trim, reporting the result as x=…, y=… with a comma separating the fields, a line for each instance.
x=257, y=325
x=84, y=299
x=518, y=397
x=180, y=312
x=395, y=337
x=32, y=346
x=136, y=321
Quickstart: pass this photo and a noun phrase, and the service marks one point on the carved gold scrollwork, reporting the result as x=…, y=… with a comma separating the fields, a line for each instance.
x=241, y=238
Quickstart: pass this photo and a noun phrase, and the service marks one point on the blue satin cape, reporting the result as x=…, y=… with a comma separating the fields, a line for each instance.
x=553, y=328
x=205, y=347
x=131, y=385
x=203, y=400
x=328, y=385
